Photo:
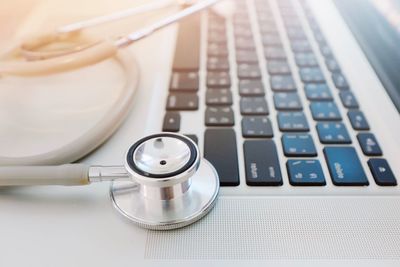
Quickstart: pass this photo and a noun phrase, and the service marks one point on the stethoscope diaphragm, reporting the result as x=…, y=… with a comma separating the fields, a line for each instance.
x=171, y=186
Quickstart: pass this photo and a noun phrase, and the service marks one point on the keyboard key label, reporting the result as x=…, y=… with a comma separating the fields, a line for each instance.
x=261, y=163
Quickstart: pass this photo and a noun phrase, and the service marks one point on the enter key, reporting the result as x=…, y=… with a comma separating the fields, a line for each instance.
x=344, y=166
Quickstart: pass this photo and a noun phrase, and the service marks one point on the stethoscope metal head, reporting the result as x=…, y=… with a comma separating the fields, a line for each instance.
x=164, y=184
x=171, y=185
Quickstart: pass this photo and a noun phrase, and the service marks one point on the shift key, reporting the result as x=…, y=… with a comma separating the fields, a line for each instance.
x=220, y=149
x=261, y=163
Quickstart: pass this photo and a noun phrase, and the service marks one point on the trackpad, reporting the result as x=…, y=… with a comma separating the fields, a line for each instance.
x=278, y=228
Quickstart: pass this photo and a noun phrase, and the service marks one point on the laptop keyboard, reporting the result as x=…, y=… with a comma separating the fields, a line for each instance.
x=288, y=127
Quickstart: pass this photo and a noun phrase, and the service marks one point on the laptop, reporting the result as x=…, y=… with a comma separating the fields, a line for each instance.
x=294, y=102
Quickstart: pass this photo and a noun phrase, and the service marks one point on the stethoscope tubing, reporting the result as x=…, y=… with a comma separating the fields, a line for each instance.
x=100, y=132
x=94, y=51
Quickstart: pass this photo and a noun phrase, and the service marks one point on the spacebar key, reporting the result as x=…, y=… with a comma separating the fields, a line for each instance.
x=220, y=149
x=262, y=163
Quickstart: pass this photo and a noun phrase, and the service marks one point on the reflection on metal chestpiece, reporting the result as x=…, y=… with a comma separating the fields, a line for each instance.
x=171, y=187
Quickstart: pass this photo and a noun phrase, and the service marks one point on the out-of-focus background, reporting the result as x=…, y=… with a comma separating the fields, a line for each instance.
x=19, y=18
x=12, y=14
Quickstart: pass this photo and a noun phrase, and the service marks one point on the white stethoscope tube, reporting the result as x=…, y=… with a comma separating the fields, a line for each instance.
x=67, y=174
x=77, y=26
x=89, y=51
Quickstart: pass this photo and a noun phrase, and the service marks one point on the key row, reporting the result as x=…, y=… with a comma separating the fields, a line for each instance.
x=260, y=127
x=262, y=167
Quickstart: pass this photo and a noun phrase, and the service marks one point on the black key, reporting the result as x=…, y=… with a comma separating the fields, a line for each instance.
x=216, y=37
x=246, y=56
x=289, y=22
x=242, y=31
x=241, y=17
x=301, y=46
x=265, y=18
x=256, y=126
x=219, y=27
x=251, y=88
x=219, y=116
x=318, y=92
x=217, y=64
x=348, y=99
x=244, y=43
x=333, y=133
x=217, y=50
x=220, y=149
x=344, y=166
x=292, y=122
x=261, y=163
x=382, y=172
x=358, y=120
x=182, y=101
x=296, y=33
x=282, y=83
x=253, y=106
x=278, y=67
x=214, y=19
x=312, y=75
x=306, y=60
x=319, y=37
x=287, y=101
x=325, y=50
x=216, y=23
x=243, y=23
x=188, y=43
x=272, y=52
x=268, y=28
x=215, y=97
x=298, y=145
x=218, y=79
x=184, y=81
x=325, y=111
x=246, y=71
x=271, y=39
x=305, y=172
x=172, y=122
x=369, y=144
x=340, y=81
x=287, y=11
x=332, y=64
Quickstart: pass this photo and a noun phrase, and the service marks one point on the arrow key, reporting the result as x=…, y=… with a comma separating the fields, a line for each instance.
x=381, y=172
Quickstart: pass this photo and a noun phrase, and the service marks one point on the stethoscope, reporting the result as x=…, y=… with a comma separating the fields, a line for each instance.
x=163, y=185
x=34, y=57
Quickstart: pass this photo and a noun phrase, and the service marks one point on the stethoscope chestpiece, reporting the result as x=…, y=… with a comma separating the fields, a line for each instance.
x=171, y=186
